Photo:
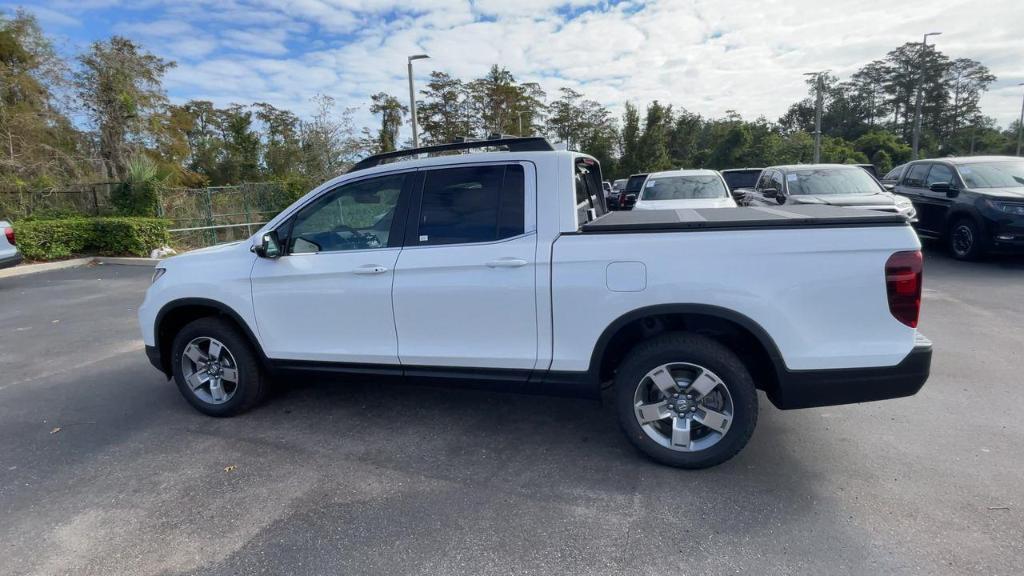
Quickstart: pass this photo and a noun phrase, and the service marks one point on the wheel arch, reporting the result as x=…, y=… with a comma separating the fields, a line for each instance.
x=174, y=315
x=747, y=338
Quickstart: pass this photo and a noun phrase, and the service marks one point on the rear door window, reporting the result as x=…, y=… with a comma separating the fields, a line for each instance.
x=916, y=176
x=471, y=204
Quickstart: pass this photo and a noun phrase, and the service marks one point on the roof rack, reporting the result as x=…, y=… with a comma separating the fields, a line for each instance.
x=512, y=143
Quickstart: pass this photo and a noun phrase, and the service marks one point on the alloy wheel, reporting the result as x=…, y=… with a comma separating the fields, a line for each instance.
x=683, y=407
x=210, y=370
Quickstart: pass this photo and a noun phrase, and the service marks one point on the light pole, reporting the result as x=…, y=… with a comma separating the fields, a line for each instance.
x=915, y=146
x=819, y=103
x=1020, y=123
x=412, y=101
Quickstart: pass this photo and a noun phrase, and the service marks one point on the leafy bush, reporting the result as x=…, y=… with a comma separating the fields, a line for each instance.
x=119, y=236
x=139, y=195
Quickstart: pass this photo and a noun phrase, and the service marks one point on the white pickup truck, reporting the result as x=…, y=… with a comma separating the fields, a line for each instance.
x=503, y=267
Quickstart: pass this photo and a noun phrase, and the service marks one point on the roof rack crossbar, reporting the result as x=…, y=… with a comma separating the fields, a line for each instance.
x=514, y=144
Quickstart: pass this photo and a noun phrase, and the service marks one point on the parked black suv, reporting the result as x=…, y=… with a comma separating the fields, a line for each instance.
x=628, y=196
x=844, y=185
x=975, y=204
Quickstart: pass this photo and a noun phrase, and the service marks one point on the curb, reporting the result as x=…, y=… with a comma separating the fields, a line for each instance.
x=121, y=261
x=26, y=269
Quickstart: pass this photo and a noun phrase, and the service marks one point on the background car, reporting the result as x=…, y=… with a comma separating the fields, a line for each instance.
x=870, y=169
x=675, y=189
x=831, y=184
x=9, y=254
x=974, y=204
x=617, y=187
x=628, y=195
x=736, y=178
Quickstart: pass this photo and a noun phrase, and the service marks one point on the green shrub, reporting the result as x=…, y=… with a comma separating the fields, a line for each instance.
x=140, y=194
x=119, y=236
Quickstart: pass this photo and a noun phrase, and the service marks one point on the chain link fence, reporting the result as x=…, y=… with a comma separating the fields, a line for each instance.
x=83, y=200
x=207, y=216
x=199, y=216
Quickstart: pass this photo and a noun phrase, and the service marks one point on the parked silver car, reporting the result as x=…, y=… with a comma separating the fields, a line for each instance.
x=9, y=254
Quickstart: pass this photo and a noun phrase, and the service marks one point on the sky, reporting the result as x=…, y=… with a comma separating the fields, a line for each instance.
x=706, y=56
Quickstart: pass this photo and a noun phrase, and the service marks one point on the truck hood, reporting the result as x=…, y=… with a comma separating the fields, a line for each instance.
x=879, y=199
x=677, y=204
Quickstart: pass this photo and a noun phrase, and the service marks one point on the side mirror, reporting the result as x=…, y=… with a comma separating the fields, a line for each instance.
x=889, y=187
x=946, y=187
x=770, y=192
x=269, y=246
x=740, y=194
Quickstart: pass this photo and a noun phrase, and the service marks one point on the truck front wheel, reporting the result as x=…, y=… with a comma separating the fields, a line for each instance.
x=685, y=400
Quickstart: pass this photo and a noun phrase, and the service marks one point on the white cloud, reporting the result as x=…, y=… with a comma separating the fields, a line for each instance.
x=708, y=56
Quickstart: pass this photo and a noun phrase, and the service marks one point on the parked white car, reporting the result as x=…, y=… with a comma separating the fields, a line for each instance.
x=502, y=267
x=9, y=254
x=675, y=189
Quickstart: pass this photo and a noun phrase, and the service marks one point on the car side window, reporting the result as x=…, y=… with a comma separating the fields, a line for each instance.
x=472, y=204
x=777, y=182
x=939, y=173
x=916, y=176
x=893, y=174
x=354, y=216
x=764, y=181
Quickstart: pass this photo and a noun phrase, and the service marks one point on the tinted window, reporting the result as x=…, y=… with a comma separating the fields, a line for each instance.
x=776, y=181
x=683, y=188
x=915, y=177
x=635, y=183
x=741, y=179
x=993, y=175
x=939, y=173
x=894, y=174
x=354, y=216
x=765, y=180
x=472, y=204
x=588, y=190
x=820, y=181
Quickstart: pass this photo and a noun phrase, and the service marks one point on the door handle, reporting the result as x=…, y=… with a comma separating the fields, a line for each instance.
x=370, y=269
x=507, y=263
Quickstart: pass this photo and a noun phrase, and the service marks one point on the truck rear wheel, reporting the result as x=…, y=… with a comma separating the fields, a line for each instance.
x=216, y=369
x=685, y=400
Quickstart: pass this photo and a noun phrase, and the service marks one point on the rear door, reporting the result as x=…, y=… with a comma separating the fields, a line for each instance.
x=465, y=282
x=936, y=204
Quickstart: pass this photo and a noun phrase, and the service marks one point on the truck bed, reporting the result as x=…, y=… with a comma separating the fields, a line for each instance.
x=740, y=218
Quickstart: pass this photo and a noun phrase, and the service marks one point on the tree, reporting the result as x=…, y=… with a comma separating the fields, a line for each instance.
x=391, y=113
x=629, y=162
x=40, y=146
x=281, y=147
x=502, y=106
x=966, y=79
x=329, y=143
x=444, y=114
x=653, y=145
x=120, y=87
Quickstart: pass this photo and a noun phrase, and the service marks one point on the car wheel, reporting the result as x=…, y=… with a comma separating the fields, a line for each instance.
x=965, y=240
x=216, y=368
x=685, y=400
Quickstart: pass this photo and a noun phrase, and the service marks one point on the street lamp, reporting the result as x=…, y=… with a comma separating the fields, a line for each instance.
x=819, y=103
x=1020, y=124
x=412, y=101
x=917, y=106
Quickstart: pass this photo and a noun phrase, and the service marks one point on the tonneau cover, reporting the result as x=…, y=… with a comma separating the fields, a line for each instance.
x=746, y=217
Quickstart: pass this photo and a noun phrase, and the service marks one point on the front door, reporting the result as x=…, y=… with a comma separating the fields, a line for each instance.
x=465, y=283
x=936, y=204
x=328, y=298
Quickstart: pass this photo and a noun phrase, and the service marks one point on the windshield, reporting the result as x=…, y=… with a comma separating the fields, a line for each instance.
x=822, y=181
x=745, y=179
x=635, y=182
x=993, y=174
x=684, y=188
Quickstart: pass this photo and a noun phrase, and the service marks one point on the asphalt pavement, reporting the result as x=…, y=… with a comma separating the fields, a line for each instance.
x=104, y=469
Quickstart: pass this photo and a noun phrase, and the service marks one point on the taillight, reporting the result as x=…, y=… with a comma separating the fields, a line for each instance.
x=903, y=274
x=9, y=232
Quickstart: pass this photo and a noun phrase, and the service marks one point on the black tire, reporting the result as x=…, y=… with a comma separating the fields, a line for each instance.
x=252, y=383
x=965, y=239
x=693, y=349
